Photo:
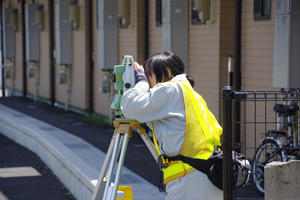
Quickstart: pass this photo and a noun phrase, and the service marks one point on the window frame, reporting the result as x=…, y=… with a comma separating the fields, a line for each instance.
x=121, y=25
x=259, y=12
x=195, y=16
x=158, y=13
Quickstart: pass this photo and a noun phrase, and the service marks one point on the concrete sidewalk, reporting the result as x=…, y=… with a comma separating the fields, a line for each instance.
x=76, y=162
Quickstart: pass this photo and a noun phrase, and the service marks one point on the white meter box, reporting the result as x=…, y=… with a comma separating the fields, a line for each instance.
x=8, y=34
x=108, y=33
x=32, y=33
x=287, y=44
x=63, y=30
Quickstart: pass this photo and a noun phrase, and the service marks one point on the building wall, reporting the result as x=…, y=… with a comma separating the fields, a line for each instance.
x=130, y=39
x=79, y=67
x=226, y=44
x=58, y=88
x=130, y=43
x=43, y=86
x=44, y=72
x=30, y=81
x=208, y=50
x=155, y=33
x=257, y=71
x=257, y=49
x=78, y=91
x=204, y=59
x=18, y=83
x=139, y=30
x=101, y=100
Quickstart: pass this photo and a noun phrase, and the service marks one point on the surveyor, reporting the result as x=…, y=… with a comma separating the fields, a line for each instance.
x=164, y=99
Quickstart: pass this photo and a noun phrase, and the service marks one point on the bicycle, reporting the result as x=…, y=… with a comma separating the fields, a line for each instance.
x=276, y=145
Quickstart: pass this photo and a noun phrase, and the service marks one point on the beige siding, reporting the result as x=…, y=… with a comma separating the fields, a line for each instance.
x=204, y=44
x=78, y=97
x=226, y=44
x=139, y=22
x=130, y=39
x=18, y=83
x=30, y=81
x=257, y=49
x=155, y=33
x=44, y=72
x=257, y=70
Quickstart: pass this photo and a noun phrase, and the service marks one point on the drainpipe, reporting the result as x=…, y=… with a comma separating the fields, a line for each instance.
x=2, y=63
x=51, y=49
x=90, y=55
x=237, y=65
x=145, y=30
x=24, y=49
x=35, y=66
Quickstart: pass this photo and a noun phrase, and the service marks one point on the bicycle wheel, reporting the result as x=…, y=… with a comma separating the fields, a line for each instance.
x=267, y=152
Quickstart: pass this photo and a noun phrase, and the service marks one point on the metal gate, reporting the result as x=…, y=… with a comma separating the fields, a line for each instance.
x=262, y=125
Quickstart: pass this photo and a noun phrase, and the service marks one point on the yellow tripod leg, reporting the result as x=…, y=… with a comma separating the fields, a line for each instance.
x=128, y=193
x=105, y=187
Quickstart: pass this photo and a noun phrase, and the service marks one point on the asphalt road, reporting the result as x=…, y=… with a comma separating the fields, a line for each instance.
x=24, y=176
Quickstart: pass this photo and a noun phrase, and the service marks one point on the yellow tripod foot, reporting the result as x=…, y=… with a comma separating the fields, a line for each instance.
x=127, y=193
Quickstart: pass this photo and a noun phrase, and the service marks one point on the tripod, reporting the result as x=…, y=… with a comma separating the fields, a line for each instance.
x=106, y=189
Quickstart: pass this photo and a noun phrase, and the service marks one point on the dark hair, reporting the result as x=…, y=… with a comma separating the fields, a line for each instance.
x=160, y=62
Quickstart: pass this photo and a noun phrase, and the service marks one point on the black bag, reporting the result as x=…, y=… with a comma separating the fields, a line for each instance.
x=213, y=167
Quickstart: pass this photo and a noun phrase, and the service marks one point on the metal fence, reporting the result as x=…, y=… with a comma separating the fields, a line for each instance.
x=262, y=125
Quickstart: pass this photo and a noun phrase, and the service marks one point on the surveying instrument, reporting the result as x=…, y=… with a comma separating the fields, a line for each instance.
x=107, y=189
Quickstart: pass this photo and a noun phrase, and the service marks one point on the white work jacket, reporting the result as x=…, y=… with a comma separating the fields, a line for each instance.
x=164, y=105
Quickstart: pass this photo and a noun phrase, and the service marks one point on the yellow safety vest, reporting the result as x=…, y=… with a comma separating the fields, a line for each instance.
x=201, y=136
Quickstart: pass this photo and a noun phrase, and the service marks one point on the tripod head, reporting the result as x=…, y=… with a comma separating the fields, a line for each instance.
x=123, y=79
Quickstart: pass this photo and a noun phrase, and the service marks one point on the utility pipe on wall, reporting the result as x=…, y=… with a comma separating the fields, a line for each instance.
x=237, y=64
x=35, y=66
x=24, y=49
x=90, y=56
x=2, y=61
x=145, y=29
x=51, y=49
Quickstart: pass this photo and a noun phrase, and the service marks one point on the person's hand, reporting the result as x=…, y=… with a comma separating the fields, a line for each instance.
x=136, y=66
x=139, y=73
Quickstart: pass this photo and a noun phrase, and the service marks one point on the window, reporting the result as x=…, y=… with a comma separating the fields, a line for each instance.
x=122, y=26
x=125, y=13
x=195, y=15
x=262, y=9
x=158, y=12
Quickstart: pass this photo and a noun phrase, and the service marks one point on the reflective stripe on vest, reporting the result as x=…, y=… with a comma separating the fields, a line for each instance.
x=202, y=133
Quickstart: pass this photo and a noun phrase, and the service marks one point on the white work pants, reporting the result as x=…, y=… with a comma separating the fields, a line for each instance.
x=193, y=186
